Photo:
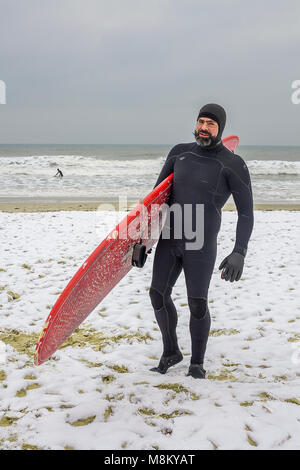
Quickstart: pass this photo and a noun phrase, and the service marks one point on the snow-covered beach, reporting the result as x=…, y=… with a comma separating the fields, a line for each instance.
x=97, y=391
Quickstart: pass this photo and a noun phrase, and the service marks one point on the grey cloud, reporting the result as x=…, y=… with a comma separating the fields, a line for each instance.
x=77, y=64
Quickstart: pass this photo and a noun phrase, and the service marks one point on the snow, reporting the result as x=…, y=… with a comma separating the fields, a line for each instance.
x=98, y=392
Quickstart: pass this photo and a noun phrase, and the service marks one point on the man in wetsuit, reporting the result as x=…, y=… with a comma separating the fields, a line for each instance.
x=205, y=175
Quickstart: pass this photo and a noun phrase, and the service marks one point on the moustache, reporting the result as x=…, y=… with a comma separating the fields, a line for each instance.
x=197, y=133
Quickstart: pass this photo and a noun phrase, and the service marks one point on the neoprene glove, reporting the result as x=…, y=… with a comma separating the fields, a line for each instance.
x=232, y=267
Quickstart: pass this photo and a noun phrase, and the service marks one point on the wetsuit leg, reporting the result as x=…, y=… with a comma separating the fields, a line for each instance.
x=166, y=269
x=199, y=328
x=198, y=267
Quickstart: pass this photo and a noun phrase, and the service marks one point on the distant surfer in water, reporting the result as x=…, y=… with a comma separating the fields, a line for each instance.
x=205, y=174
x=59, y=173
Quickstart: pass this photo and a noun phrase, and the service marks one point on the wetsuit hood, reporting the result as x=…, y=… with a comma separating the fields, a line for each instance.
x=215, y=112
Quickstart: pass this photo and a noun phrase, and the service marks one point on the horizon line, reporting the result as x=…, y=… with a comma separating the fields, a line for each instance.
x=132, y=144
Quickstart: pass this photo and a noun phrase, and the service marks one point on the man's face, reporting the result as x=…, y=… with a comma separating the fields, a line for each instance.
x=206, y=128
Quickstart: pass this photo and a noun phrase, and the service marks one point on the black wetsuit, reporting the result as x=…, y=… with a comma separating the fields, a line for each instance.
x=206, y=176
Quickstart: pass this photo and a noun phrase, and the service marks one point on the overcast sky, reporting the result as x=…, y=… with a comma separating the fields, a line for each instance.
x=137, y=71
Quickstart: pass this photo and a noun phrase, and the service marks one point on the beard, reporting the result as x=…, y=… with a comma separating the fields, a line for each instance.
x=208, y=141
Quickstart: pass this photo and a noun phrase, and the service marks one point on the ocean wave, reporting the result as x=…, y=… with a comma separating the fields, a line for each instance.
x=273, y=167
x=77, y=165
x=88, y=165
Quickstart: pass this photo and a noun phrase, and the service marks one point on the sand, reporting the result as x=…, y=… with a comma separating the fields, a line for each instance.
x=56, y=206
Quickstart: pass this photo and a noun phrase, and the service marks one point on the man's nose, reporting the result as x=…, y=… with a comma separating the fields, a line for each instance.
x=202, y=126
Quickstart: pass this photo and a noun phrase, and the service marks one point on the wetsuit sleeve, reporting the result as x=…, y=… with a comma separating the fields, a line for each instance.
x=240, y=187
x=168, y=167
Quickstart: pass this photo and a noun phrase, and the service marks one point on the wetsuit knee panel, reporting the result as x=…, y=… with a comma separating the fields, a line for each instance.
x=157, y=299
x=198, y=307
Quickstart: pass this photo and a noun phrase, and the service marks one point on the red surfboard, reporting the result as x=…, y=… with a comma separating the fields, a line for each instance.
x=106, y=266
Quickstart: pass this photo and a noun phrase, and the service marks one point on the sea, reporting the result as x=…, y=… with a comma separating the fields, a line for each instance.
x=107, y=172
